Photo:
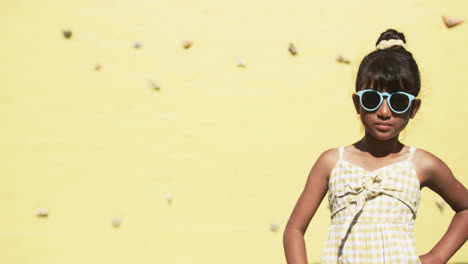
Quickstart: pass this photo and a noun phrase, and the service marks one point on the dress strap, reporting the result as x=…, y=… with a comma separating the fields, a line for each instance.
x=411, y=152
x=341, y=151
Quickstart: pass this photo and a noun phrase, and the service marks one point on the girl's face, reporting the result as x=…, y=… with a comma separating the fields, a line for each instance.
x=383, y=123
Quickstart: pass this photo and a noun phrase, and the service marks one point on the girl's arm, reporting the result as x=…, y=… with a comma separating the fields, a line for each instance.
x=315, y=189
x=438, y=177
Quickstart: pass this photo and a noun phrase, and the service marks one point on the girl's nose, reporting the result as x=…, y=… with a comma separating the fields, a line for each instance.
x=384, y=111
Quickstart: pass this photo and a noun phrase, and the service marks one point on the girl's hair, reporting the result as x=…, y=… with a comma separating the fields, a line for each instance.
x=392, y=69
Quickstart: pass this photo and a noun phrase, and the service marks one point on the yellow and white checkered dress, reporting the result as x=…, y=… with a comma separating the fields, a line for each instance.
x=372, y=213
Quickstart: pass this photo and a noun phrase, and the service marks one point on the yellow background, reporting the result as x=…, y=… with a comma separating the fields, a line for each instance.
x=233, y=146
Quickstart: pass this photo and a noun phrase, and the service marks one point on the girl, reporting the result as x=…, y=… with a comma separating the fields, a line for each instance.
x=374, y=184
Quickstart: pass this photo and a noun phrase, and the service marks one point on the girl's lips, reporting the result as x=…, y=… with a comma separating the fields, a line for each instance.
x=383, y=126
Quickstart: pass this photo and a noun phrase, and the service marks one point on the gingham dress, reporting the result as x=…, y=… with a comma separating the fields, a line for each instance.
x=372, y=213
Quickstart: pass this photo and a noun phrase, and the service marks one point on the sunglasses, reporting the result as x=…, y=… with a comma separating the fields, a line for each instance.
x=398, y=102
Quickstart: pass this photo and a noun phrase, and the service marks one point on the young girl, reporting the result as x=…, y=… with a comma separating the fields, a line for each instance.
x=374, y=184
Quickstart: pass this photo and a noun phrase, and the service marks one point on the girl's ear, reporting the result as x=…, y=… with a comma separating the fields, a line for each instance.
x=357, y=105
x=415, y=108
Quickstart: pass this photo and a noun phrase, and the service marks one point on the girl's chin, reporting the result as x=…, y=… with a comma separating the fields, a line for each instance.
x=382, y=135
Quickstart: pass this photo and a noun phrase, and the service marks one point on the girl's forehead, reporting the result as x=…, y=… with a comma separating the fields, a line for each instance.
x=383, y=85
x=381, y=88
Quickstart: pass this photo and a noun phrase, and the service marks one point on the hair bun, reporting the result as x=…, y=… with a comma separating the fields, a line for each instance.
x=390, y=38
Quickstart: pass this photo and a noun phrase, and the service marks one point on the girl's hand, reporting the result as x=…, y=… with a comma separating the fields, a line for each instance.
x=430, y=259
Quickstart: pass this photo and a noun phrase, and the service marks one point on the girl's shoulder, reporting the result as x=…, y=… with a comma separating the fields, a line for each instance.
x=428, y=166
x=425, y=159
x=327, y=160
x=330, y=156
x=437, y=176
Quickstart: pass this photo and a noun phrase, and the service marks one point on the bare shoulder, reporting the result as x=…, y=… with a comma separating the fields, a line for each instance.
x=326, y=161
x=428, y=166
x=426, y=160
x=437, y=176
x=330, y=156
x=317, y=180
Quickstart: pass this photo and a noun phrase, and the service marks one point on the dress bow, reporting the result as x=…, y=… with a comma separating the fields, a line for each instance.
x=369, y=188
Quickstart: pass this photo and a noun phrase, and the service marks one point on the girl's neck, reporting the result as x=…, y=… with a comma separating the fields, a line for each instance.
x=379, y=148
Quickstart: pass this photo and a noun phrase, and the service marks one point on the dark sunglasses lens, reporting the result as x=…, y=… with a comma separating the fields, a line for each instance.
x=370, y=100
x=399, y=102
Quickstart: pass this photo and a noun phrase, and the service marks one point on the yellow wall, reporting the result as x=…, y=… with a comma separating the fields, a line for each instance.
x=233, y=146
